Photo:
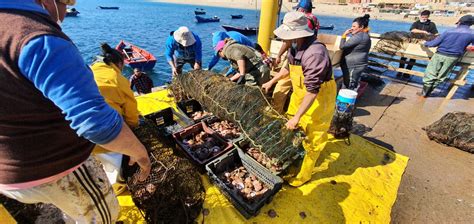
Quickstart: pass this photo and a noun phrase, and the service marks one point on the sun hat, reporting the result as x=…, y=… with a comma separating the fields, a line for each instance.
x=68, y=2
x=466, y=20
x=295, y=25
x=220, y=45
x=184, y=36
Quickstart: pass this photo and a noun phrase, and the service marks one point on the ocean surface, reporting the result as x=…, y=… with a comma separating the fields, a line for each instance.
x=148, y=24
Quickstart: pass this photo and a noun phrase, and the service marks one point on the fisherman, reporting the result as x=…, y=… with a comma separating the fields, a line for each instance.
x=451, y=45
x=114, y=87
x=183, y=47
x=283, y=87
x=220, y=36
x=246, y=60
x=52, y=114
x=424, y=26
x=142, y=83
x=355, y=51
x=312, y=102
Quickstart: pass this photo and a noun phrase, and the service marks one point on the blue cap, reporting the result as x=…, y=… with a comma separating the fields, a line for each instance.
x=218, y=36
x=307, y=5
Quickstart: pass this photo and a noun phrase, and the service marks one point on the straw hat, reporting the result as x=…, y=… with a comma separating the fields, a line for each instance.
x=184, y=36
x=295, y=25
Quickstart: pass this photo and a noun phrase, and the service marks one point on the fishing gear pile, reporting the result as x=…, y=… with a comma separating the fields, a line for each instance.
x=396, y=41
x=245, y=106
x=454, y=129
x=173, y=192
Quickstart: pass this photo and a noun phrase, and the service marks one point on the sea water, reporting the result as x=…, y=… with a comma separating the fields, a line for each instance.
x=148, y=25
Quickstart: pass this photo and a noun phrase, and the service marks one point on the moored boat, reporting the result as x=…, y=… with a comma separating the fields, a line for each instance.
x=108, y=7
x=201, y=19
x=136, y=57
x=237, y=16
x=199, y=12
x=330, y=27
x=248, y=31
x=71, y=12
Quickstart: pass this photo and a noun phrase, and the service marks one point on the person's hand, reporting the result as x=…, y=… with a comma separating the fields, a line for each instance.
x=267, y=86
x=174, y=71
x=197, y=66
x=277, y=61
x=347, y=32
x=292, y=124
x=143, y=162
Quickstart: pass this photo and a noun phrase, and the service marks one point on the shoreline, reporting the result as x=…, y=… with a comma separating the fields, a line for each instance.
x=345, y=11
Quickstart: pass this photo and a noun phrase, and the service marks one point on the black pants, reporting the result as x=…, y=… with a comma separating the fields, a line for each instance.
x=409, y=67
x=351, y=75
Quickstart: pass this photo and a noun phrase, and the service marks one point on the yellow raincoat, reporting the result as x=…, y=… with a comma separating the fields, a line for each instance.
x=315, y=122
x=115, y=89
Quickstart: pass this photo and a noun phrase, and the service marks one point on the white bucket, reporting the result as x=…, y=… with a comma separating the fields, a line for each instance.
x=345, y=100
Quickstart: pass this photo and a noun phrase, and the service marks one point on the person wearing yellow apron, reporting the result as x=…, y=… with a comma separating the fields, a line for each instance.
x=313, y=100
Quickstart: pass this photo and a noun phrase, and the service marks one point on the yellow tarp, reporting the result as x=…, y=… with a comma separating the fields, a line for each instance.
x=5, y=216
x=354, y=183
x=153, y=102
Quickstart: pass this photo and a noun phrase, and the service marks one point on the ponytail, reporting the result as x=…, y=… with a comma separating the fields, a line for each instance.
x=363, y=21
x=111, y=56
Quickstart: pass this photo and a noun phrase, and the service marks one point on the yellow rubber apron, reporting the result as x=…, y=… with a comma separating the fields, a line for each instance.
x=315, y=122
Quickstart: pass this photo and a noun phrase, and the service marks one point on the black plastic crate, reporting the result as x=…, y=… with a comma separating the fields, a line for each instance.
x=162, y=118
x=189, y=106
x=192, y=130
x=233, y=159
x=243, y=145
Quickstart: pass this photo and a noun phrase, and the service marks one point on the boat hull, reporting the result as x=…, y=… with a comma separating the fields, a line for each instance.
x=72, y=14
x=245, y=31
x=200, y=19
x=138, y=57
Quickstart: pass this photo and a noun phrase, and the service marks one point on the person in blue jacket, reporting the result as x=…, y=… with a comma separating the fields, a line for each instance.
x=183, y=47
x=451, y=47
x=220, y=36
x=51, y=116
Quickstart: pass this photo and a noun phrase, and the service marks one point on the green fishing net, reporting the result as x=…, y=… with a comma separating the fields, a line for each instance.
x=245, y=106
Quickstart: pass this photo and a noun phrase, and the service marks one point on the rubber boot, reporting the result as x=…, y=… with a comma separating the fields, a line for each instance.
x=425, y=92
x=306, y=171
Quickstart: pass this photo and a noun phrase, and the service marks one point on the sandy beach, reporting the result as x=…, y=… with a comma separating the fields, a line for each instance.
x=320, y=9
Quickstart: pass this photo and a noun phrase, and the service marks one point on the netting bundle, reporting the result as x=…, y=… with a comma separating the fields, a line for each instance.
x=454, y=129
x=392, y=42
x=173, y=193
x=246, y=106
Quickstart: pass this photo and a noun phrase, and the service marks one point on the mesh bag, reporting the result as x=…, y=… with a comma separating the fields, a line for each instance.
x=245, y=106
x=173, y=193
x=454, y=129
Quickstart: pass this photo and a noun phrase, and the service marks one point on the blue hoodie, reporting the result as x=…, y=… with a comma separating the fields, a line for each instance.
x=67, y=83
x=220, y=36
x=173, y=48
x=454, y=41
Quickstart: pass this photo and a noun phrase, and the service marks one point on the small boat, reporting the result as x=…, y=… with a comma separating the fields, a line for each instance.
x=236, y=16
x=136, y=57
x=201, y=19
x=330, y=27
x=110, y=7
x=248, y=31
x=199, y=12
x=71, y=12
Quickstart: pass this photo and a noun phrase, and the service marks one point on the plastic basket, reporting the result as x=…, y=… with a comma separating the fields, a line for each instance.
x=231, y=160
x=189, y=107
x=164, y=121
x=194, y=129
x=213, y=119
x=244, y=145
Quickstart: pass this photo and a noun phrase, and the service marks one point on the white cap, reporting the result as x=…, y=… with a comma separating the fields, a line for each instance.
x=184, y=36
x=295, y=25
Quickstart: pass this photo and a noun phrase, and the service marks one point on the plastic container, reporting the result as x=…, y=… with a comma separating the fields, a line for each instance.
x=193, y=130
x=206, y=125
x=345, y=100
x=244, y=145
x=164, y=121
x=232, y=160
